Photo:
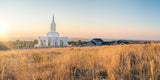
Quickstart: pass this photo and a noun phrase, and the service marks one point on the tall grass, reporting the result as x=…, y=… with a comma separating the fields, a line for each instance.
x=121, y=62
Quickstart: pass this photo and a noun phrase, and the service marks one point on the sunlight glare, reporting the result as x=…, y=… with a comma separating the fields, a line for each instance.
x=3, y=29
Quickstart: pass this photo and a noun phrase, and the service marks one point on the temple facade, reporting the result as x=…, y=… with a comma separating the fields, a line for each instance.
x=52, y=39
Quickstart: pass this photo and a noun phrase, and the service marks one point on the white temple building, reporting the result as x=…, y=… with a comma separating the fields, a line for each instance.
x=52, y=39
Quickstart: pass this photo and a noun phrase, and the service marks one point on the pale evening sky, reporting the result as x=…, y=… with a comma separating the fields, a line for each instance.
x=107, y=19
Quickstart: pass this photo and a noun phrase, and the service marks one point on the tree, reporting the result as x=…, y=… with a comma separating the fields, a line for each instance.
x=17, y=40
x=35, y=42
x=79, y=42
x=25, y=43
x=14, y=44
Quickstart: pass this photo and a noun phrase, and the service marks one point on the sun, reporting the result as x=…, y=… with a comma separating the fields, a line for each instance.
x=3, y=29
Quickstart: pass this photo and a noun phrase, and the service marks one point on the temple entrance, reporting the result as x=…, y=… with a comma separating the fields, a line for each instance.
x=41, y=43
x=61, y=43
x=55, y=43
x=49, y=43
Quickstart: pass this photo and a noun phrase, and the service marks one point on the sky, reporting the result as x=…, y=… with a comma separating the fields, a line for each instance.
x=106, y=19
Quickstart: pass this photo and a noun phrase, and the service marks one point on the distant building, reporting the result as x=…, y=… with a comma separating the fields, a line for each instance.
x=100, y=42
x=53, y=39
x=107, y=43
x=122, y=42
x=95, y=42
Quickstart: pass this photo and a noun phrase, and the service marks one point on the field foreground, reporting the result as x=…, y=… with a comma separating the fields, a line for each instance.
x=121, y=62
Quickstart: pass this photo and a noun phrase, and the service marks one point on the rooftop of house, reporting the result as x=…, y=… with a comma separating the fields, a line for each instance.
x=97, y=40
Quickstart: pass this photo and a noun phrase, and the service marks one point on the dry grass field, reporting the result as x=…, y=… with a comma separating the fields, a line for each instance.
x=120, y=62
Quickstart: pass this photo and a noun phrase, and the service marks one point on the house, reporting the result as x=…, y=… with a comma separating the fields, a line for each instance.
x=122, y=42
x=95, y=42
x=107, y=43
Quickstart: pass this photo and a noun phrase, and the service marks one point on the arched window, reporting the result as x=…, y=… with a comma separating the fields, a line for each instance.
x=41, y=43
x=55, y=43
x=61, y=43
x=49, y=43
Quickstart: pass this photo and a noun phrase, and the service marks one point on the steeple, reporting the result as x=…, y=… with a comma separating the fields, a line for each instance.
x=53, y=25
x=53, y=16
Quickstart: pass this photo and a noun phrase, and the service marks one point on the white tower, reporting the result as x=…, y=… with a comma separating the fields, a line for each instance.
x=53, y=26
x=52, y=39
x=53, y=32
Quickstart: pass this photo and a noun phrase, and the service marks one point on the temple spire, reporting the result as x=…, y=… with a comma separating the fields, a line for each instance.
x=53, y=25
x=53, y=16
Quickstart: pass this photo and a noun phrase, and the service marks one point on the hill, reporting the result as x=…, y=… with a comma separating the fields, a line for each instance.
x=3, y=46
x=120, y=62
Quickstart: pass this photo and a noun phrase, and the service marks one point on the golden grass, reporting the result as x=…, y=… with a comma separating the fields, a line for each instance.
x=121, y=62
